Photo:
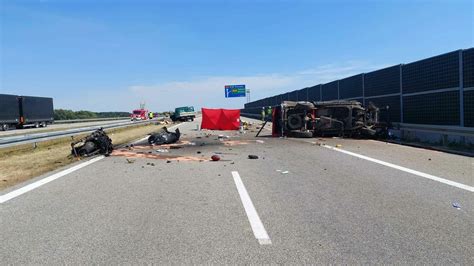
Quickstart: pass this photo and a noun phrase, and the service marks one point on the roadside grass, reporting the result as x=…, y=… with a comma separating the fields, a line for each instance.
x=23, y=162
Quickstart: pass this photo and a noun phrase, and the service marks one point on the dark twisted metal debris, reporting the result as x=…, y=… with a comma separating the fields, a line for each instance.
x=164, y=137
x=98, y=142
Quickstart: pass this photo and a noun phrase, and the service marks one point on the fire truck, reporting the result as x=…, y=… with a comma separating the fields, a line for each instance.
x=139, y=114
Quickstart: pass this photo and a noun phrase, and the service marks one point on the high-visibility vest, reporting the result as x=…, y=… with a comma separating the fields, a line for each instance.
x=269, y=111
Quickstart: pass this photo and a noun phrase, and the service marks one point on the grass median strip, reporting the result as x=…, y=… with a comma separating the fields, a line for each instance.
x=23, y=162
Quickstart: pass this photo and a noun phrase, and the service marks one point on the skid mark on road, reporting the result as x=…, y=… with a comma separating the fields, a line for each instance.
x=404, y=169
x=257, y=226
x=39, y=183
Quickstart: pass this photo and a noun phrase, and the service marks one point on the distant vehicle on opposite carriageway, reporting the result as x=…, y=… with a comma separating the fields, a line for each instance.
x=139, y=114
x=185, y=113
x=25, y=111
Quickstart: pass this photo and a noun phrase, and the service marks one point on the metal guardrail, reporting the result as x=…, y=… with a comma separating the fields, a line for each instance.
x=255, y=116
x=40, y=137
x=89, y=120
x=449, y=130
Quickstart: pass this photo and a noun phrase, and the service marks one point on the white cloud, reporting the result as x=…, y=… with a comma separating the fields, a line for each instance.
x=209, y=91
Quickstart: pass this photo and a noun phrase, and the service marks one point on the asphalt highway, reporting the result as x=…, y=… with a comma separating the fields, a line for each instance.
x=302, y=201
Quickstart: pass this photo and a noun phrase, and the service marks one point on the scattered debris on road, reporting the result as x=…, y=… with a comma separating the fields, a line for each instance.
x=228, y=153
x=222, y=137
x=132, y=154
x=235, y=142
x=130, y=161
x=98, y=142
x=456, y=205
x=172, y=148
x=245, y=125
x=175, y=147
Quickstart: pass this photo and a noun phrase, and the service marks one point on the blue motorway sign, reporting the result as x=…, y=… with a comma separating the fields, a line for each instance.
x=232, y=91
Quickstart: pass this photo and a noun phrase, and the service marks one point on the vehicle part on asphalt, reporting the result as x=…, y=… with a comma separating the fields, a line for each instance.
x=215, y=158
x=253, y=156
x=164, y=137
x=98, y=142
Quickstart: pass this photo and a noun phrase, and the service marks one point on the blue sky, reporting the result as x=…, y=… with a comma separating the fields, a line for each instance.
x=112, y=55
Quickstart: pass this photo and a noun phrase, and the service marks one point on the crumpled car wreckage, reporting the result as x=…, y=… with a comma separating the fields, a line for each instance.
x=164, y=137
x=98, y=142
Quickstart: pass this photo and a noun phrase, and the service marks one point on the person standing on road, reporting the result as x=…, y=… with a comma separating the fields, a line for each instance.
x=269, y=113
x=150, y=115
x=263, y=114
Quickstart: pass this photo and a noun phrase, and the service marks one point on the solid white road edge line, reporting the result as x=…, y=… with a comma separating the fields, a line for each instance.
x=257, y=226
x=404, y=169
x=39, y=183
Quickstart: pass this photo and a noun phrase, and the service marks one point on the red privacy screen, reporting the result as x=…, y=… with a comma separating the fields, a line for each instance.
x=220, y=119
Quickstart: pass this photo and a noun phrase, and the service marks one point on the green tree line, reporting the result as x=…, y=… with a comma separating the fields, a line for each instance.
x=63, y=114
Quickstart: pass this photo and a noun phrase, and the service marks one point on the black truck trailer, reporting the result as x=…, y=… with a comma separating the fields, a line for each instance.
x=23, y=111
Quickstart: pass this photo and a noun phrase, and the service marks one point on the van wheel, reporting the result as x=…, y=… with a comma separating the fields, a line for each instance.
x=295, y=121
x=43, y=124
x=37, y=125
x=5, y=127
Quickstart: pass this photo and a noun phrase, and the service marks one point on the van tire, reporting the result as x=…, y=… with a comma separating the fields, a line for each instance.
x=295, y=121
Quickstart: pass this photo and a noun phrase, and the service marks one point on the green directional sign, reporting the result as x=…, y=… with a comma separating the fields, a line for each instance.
x=232, y=91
